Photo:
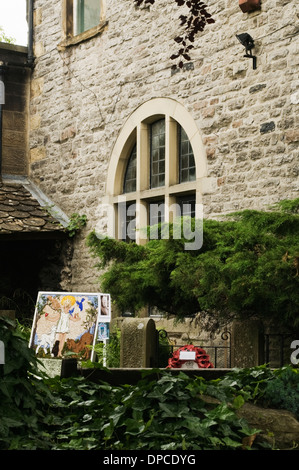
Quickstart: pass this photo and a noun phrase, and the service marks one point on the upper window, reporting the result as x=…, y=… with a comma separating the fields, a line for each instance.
x=82, y=19
x=86, y=15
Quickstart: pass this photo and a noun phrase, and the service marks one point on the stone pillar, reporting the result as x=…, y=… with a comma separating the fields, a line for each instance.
x=138, y=346
x=247, y=343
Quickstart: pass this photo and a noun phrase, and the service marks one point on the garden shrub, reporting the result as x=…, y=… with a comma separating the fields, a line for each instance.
x=23, y=395
x=283, y=390
x=272, y=388
x=165, y=414
x=170, y=412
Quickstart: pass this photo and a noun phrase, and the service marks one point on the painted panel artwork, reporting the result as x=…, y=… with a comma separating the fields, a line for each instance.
x=67, y=322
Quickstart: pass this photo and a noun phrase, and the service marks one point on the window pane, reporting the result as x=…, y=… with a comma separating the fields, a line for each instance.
x=127, y=221
x=155, y=181
x=186, y=158
x=162, y=167
x=184, y=176
x=156, y=213
x=86, y=15
x=184, y=162
x=156, y=216
x=158, y=154
x=192, y=174
x=130, y=176
x=187, y=205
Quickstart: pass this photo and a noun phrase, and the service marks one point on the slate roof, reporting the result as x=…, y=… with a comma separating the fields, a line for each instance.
x=22, y=211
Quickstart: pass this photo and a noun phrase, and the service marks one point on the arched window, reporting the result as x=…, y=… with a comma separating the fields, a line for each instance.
x=155, y=170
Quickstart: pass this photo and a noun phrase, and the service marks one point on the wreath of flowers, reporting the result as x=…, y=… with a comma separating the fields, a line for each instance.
x=201, y=357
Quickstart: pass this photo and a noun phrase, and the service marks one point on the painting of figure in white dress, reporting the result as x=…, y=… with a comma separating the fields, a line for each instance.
x=65, y=324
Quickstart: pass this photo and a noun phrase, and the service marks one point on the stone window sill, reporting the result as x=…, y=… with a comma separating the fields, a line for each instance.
x=90, y=33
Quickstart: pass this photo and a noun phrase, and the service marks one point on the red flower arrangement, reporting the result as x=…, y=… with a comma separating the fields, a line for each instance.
x=201, y=358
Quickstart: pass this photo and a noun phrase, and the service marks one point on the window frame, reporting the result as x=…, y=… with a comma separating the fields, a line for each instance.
x=136, y=129
x=69, y=38
x=146, y=193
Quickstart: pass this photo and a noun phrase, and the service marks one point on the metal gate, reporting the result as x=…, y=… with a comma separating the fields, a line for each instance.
x=220, y=352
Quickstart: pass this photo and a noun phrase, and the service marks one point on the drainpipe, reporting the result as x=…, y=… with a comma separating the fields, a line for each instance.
x=30, y=56
x=30, y=32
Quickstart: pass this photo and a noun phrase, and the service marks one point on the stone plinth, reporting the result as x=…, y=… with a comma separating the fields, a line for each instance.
x=138, y=343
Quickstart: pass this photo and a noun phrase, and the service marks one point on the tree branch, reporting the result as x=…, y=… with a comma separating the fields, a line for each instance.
x=193, y=23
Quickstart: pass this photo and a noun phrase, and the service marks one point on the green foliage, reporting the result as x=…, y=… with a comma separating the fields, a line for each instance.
x=77, y=222
x=283, y=391
x=5, y=38
x=166, y=413
x=22, y=394
x=165, y=349
x=161, y=412
x=248, y=265
x=277, y=388
x=111, y=350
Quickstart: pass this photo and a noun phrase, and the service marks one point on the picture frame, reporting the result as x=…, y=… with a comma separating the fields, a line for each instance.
x=66, y=324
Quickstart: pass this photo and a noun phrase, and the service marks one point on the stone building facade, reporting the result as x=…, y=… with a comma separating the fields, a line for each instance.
x=96, y=93
x=93, y=94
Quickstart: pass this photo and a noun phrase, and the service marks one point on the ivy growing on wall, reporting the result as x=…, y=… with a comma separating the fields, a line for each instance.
x=76, y=223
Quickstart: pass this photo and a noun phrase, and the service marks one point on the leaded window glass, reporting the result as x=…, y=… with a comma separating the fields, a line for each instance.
x=186, y=158
x=157, y=149
x=156, y=143
x=130, y=176
x=156, y=212
x=127, y=217
x=187, y=205
x=156, y=217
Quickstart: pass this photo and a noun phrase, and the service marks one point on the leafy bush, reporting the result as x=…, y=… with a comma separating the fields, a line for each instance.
x=248, y=265
x=283, y=390
x=278, y=388
x=164, y=414
x=23, y=396
x=161, y=412
x=111, y=351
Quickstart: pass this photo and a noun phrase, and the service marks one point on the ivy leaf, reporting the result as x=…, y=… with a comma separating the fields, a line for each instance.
x=231, y=443
x=238, y=402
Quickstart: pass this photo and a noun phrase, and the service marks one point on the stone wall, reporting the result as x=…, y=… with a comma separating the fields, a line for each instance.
x=81, y=97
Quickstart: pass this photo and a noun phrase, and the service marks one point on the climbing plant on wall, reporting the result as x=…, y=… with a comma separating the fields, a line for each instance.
x=193, y=19
x=247, y=266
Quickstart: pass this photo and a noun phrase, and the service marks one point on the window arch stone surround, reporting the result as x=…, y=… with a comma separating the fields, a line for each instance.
x=147, y=111
x=136, y=131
